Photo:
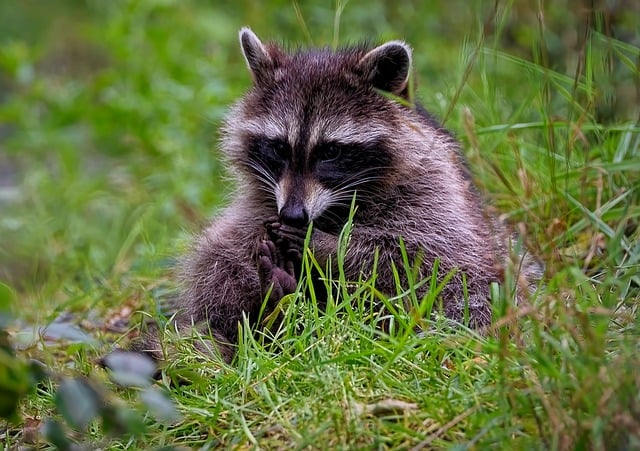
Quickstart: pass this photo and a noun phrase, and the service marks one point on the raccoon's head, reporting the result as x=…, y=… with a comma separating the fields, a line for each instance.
x=315, y=129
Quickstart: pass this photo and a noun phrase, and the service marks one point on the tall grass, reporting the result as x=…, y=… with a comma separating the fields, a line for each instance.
x=108, y=163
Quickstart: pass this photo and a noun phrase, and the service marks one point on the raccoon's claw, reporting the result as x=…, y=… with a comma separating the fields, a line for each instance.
x=276, y=279
x=276, y=229
x=294, y=257
x=289, y=244
x=293, y=234
x=266, y=265
x=271, y=222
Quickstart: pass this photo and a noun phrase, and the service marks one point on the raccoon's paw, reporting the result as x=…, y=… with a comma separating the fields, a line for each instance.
x=289, y=240
x=277, y=275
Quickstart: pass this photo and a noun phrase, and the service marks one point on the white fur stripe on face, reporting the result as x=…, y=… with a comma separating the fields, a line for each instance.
x=282, y=190
x=283, y=129
x=270, y=129
x=317, y=199
x=346, y=132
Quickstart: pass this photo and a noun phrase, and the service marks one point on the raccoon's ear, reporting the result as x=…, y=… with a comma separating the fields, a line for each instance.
x=255, y=53
x=387, y=67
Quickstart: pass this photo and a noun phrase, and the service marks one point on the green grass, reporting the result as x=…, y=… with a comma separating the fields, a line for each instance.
x=108, y=164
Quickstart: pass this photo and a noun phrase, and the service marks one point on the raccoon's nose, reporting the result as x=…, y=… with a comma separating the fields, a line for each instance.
x=294, y=215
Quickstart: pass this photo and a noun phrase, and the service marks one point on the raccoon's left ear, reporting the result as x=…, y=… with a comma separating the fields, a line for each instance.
x=257, y=55
x=387, y=67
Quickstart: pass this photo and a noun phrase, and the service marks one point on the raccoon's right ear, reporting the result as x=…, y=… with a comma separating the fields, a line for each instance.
x=256, y=54
x=388, y=67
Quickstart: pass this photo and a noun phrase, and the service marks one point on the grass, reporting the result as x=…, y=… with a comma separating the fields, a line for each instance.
x=108, y=164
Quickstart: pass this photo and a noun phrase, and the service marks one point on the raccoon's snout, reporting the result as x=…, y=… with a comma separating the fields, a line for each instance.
x=294, y=214
x=291, y=194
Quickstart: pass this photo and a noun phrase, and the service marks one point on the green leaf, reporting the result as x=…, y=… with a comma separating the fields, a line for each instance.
x=161, y=407
x=130, y=369
x=78, y=402
x=119, y=420
x=55, y=434
x=6, y=300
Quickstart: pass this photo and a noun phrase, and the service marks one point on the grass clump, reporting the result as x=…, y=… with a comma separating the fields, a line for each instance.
x=108, y=118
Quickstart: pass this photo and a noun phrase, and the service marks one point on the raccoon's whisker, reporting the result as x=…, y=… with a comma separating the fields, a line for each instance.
x=359, y=177
x=267, y=191
x=336, y=201
x=262, y=174
x=333, y=217
x=366, y=186
x=361, y=181
x=266, y=185
x=346, y=192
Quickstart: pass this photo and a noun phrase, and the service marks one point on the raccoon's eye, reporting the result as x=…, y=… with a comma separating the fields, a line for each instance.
x=281, y=149
x=329, y=152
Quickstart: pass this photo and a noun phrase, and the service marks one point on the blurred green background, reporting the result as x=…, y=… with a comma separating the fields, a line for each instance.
x=109, y=113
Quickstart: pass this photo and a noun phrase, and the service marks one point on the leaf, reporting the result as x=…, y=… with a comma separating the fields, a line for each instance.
x=119, y=420
x=17, y=379
x=9, y=405
x=631, y=164
x=55, y=434
x=6, y=299
x=130, y=369
x=66, y=331
x=161, y=407
x=78, y=402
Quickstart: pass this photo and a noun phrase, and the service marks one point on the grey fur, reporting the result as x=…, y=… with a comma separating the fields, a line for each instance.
x=420, y=190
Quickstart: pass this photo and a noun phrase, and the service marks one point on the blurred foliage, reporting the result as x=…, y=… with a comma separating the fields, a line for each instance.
x=17, y=378
x=108, y=162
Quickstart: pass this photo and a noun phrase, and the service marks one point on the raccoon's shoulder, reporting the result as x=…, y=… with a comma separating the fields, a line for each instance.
x=240, y=222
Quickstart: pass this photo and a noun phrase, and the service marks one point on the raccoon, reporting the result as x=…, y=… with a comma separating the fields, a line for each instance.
x=317, y=129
